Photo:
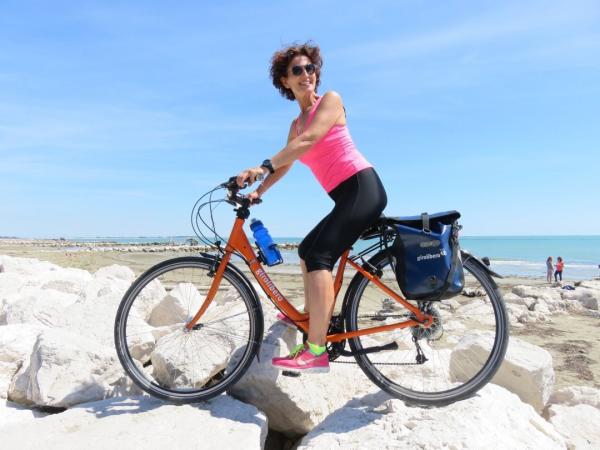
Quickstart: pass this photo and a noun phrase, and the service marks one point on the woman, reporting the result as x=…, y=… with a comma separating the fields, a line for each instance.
x=549, y=269
x=319, y=138
x=559, y=269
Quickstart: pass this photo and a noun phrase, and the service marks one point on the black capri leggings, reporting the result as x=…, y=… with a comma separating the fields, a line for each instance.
x=359, y=201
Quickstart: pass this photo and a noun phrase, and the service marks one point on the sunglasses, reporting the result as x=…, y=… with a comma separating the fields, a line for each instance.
x=309, y=68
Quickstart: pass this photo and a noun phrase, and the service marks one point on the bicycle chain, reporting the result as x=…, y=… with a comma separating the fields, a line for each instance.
x=385, y=363
x=371, y=316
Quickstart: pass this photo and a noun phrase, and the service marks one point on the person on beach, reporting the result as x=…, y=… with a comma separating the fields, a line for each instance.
x=549, y=269
x=559, y=269
x=319, y=138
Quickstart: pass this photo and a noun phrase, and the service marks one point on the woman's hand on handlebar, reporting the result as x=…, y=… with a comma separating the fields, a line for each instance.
x=254, y=197
x=250, y=176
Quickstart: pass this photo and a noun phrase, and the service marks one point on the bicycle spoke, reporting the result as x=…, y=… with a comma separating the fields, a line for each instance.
x=448, y=372
x=180, y=364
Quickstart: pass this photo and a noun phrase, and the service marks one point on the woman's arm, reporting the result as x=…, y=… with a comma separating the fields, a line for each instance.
x=328, y=113
x=279, y=172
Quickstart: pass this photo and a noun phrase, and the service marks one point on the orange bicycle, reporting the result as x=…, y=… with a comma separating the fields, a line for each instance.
x=189, y=327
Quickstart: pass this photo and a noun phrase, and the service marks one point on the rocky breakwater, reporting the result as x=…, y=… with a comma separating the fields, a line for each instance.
x=191, y=246
x=61, y=385
x=530, y=304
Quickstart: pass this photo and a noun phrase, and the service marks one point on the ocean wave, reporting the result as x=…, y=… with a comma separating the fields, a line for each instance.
x=540, y=264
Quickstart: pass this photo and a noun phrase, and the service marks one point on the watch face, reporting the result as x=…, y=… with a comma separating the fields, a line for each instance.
x=267, y=163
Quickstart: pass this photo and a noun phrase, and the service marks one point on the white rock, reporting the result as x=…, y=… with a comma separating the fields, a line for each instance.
x=543, y=308
x=94, y=315
x=592, y=284
x=142, y=338
x=576, y=395
x=534, y=317
x=116, y=272
x=16, y=344
x=578, y=424
x=589, y=298
x=180, y=360
x=529, y=302
x=37, y=306
x=512, y=298
x=152, y=294
x=144, y=423
x=494, y=418
x=66, y=369
x=477, y=309
x=295, y=405
x=526, y=370
x=27, y=272
x=515, y=311
x=182, y=302
x=26, y=266
x=11, y=413
x=549, y=294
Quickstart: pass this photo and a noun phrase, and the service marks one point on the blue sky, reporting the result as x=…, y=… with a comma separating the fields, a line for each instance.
x=116, y=116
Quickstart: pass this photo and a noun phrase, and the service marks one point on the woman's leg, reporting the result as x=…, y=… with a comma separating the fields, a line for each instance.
x=321, y=299
x=305, y=280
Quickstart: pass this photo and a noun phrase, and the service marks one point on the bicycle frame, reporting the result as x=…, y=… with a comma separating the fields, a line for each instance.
x=238, y=241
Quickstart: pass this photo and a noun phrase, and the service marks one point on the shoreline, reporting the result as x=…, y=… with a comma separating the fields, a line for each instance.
x=17, y=246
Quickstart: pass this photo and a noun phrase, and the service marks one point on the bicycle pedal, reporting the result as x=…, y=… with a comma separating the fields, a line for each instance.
x=287, y=373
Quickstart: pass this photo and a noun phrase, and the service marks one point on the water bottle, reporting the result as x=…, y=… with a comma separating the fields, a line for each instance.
x=268, y=249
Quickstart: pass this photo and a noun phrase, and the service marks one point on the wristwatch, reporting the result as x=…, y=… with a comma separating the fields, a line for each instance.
x=267, y=163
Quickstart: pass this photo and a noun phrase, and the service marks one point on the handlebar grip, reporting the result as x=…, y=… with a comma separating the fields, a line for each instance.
x=232, y=182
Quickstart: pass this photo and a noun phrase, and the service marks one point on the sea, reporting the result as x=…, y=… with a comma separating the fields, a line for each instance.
x=523, y=256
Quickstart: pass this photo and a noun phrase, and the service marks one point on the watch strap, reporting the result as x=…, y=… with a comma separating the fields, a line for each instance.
x=267, y=163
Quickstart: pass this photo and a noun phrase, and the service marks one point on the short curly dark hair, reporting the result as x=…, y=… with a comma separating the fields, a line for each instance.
x=281, y=60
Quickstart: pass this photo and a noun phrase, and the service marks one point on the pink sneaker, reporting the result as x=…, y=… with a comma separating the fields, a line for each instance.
x=303, y=361
x=285, y=320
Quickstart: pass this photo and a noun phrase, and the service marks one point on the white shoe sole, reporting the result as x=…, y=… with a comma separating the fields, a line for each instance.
x=308, y=370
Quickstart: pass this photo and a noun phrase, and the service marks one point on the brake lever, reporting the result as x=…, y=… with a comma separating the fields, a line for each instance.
x=232, y=183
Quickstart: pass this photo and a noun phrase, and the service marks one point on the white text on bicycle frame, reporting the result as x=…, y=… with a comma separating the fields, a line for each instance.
x=274, y=292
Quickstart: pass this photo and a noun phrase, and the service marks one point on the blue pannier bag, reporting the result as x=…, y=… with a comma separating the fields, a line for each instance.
x=428, y=264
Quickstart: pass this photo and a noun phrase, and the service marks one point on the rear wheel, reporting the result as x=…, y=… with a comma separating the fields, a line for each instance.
x=447, y=362
x=170, y=362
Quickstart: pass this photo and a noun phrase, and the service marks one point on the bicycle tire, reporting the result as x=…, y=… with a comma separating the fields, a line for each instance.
x=451, y=370
x=210, y=358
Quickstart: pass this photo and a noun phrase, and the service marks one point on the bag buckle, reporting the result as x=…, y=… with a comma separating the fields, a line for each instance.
x=425, y=221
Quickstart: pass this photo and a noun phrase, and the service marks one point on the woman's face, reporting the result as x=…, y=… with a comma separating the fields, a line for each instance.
x=301, y=76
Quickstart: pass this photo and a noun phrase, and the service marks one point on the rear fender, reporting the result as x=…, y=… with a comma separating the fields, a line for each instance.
x=465, y=256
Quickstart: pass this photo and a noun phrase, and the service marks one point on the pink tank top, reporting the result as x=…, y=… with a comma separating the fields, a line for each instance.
x=334, y=158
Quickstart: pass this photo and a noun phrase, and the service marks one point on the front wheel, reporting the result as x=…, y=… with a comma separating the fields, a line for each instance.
x=170, y=362
x=439, y=365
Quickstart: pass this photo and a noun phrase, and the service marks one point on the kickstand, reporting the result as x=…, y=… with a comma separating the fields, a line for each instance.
x=287, y=373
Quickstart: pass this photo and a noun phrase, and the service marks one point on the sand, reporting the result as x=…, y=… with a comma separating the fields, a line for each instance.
x=573, y=340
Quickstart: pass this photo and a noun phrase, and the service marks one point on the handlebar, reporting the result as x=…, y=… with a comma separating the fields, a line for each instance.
x=233, y=195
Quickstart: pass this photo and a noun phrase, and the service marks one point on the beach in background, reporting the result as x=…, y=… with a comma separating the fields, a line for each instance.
x=521, y=256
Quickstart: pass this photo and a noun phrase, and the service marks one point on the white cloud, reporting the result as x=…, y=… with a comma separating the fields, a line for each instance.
x=504, y=24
